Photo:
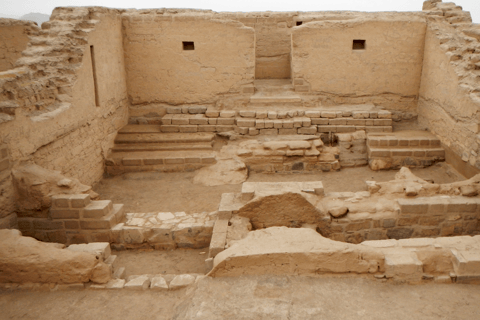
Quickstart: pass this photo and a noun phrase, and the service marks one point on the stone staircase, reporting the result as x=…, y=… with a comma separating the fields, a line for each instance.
x=274, y=93
x=147, y=148
x=403, y=148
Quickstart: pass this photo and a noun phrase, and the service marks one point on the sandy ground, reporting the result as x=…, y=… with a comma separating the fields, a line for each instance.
x=173, y=192
x=266, y=297
x=162, y=262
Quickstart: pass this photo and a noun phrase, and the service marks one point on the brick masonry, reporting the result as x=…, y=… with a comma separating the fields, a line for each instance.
x=74, y=218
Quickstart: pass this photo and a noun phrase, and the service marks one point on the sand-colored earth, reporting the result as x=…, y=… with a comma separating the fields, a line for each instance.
x=174, y=192
x=267, y=297
x=151, y=261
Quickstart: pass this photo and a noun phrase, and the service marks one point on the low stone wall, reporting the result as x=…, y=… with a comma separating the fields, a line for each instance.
x=251, y=122
x=300, y=251
x=164, y=230
x=74, y=218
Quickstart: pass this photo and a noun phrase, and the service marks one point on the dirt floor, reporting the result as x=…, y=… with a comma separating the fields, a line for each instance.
x=178, y=261
x=156, y=192
x=266, y=297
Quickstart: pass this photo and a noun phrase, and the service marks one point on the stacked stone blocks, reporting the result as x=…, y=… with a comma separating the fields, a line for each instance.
x=396, y=151
x=254, y=122
x=75, y=218
x=164, y=230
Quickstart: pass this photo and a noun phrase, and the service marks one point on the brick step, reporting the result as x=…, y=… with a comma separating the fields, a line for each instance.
x=117, y=215
x=404, y=139
x=138, y=147
x=294, y=100
x=161, y=157
x=98, y=209
x=417, y=152
x=140, y=128
x=164, y=138
x=273, y=85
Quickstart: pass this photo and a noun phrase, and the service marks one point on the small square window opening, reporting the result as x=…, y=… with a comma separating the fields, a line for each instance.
x=299, y=23
x=188, y=45
x=358, y=44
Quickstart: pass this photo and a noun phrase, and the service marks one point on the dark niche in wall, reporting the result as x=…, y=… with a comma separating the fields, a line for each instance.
x=359, y=44
x=188, y=45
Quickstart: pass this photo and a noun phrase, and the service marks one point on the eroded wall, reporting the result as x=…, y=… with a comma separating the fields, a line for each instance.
x=449, y=101
x=81, y=152
x=50, y=114
x=160, y=70
x=13, y=40
x=273, y=46
x=387, y=71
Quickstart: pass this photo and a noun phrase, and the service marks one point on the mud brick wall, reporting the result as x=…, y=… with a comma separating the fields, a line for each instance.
x=67, y=118
x=8, y=217
x=163, y=67
x=416, y=218
x=387, y=71
x=272, y=43
x=13, y=40
x=449, y=93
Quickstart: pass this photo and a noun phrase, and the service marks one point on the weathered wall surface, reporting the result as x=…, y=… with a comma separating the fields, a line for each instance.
x=81, y=152
x=388, y=70
x=272, y=44
x=8, y=217
x=159, y=70
x=50, y=114
x=13, y=40
x=449, y=98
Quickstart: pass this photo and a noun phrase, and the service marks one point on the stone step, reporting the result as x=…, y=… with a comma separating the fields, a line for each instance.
x=163, y=161
x=107, y=222
x=274, y=86
x=164, y=137
x=162, y=157
x=408, y=151
x=138, y=147
x=294, y=100
x=404, y=140
x=97, y=209
x=140, y=128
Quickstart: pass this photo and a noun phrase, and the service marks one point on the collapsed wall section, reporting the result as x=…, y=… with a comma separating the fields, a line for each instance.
x=13, y=40
x=185, y=58
x=378, y=57
x=64, y=110
x=63, y=104
x=449, y=97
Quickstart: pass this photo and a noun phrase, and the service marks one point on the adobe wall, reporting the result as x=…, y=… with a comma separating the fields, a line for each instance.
x=13, y=40
x=8, y=217
x=386, y=72
x=160, y=70
x=449, y=93
x=272, y=42
x=55, y=120
x=80, y=153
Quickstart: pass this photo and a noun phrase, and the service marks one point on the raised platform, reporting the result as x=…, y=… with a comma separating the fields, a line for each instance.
x=145, y=148
x=403, y=148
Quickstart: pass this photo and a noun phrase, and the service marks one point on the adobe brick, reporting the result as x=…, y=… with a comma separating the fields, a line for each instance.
x=72, y=224
x=64, y=213
x=45, y=224
x=79, y=200
x=152, y=161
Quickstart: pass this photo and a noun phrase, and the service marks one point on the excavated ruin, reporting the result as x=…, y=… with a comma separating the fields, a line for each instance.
x=96, y=94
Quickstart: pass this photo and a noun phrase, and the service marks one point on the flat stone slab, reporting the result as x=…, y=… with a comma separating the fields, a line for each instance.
x=182, y=281
x=139, y=283
x=158, y=283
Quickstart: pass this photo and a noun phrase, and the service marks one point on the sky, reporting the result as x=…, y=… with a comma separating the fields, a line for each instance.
x=21, y=7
